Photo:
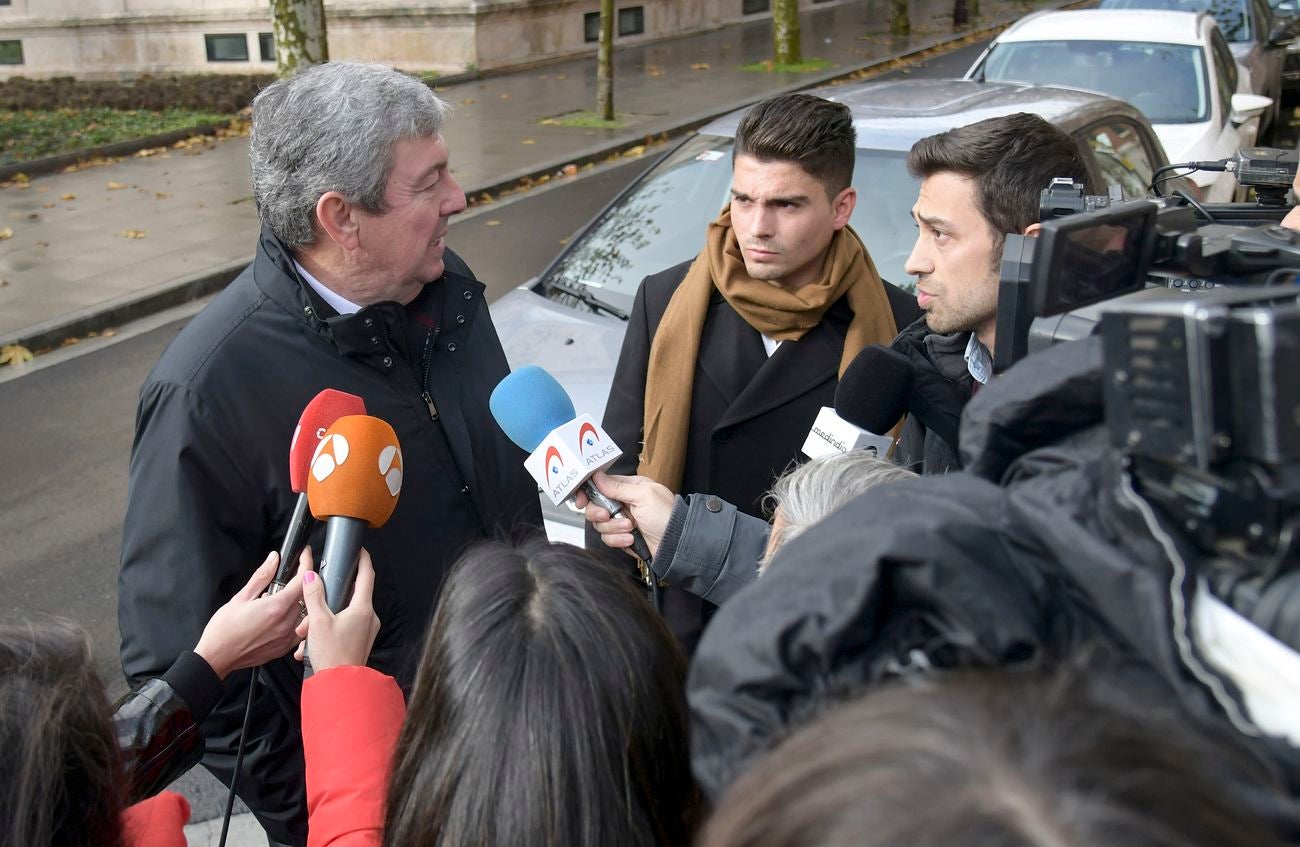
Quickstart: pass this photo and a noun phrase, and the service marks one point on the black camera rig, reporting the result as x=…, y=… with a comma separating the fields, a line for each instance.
x=1199, y=312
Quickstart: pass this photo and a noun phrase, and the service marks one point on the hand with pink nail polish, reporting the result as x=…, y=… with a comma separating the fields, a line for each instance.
x=342, y=639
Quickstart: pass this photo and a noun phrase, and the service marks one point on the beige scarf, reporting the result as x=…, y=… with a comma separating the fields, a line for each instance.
x=775, y=312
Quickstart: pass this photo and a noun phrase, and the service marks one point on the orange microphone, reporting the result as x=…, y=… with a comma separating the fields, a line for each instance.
x=354, y=480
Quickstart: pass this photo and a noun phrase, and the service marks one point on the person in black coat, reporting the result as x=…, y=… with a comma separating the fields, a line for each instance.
x=728, y=358
x=352, y=288
x=978, y=182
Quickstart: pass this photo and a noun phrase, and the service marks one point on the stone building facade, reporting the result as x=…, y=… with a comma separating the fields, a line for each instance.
x=112, y=38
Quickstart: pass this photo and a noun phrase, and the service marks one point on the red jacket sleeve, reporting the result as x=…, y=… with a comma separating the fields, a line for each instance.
x=156, y=822
x=351, y=717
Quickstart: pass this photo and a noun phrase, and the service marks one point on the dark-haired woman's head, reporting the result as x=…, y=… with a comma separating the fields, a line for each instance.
x=549, y=709
x=59, y=781
x=1002, y=759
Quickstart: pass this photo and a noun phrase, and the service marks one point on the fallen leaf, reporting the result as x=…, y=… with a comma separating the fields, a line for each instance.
x=468, y=101
x=48, y=205
x=21, y=179
x=68, y=342
x=527, y=141
x=505, y=96
x=67, y=197
x=561, y=76
x=133, y=233
x=117, y=186
x=485, y=197
x=6, y=233
x=570, y=170
x=633, y=152
x=15, y=354
x=109, y=333
x=33, y=216
x=492, y=223
x=161, y=195
x=700, y=66
x=564, y=242
x=651, y=70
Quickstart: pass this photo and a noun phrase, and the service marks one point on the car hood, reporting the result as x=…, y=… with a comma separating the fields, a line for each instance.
x=579, y=349
x=1188, y=143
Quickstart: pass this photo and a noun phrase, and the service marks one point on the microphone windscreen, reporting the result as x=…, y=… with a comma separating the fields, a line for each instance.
x=321, y=413
x=528, y=404
x=873, y=392
x=356, y=471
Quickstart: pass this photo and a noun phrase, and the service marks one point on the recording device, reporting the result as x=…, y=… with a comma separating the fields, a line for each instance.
x=353, y=485
x=1200, y=392
x=1113, y=247
x=565, y=449
x=871, y=397
x=323, y=410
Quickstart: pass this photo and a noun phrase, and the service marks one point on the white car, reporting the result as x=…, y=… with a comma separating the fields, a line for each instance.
x=1176, y=68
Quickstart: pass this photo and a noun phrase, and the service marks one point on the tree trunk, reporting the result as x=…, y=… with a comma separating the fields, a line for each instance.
x=899, y=22
x=605, y=63
x=785, y=32
x=960, y=13
x=299, y=29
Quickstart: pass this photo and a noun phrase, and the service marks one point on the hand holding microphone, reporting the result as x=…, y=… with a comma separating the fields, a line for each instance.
x=535, y=412
x=347, y=637
x=648, y=506
x=250, y=629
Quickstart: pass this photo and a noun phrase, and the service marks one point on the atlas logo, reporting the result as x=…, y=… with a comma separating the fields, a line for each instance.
x=553, y=463
x=587, y=438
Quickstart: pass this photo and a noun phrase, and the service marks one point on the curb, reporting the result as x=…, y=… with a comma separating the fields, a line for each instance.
x=53, y=164
x=165, y=295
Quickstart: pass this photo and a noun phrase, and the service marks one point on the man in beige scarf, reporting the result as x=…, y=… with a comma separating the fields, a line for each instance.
x=729, y=357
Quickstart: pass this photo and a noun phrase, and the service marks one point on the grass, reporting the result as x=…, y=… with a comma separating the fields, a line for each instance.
x=584, y=119
x=31, y=134
x=769, y=66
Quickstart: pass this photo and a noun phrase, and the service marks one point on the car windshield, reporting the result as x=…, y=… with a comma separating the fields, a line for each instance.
x=1166, y=82
x=662, y=221
x=1230, y=15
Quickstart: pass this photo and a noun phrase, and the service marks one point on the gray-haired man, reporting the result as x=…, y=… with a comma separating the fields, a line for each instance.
x=352, y=288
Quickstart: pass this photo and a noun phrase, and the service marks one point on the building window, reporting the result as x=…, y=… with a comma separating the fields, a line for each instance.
x=591, y=27
x=631, y=21
x=227, y=47
x=266, y=46
x=11, y=52
x=753, y=7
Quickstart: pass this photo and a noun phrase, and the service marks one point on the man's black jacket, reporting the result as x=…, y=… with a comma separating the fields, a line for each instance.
x=1038, y=549
x=941, y=387
x=209, y=483
x=750, y=413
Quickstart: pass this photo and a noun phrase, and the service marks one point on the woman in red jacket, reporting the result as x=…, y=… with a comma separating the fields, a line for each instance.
x=549, y=708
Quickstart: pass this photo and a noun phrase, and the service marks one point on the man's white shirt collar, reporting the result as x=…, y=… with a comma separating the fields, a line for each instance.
x=340, y=304
x=978, y=360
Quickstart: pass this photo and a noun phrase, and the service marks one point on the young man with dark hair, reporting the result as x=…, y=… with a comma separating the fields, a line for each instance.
x=729, y=357
x=978, y=183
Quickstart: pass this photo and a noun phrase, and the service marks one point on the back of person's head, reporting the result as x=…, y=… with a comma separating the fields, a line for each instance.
x=1000, y=759
x=332, y=127
x=549, y=709
x=814, y=133
x=58, y=753
x=808, y=493
x=1011, y=160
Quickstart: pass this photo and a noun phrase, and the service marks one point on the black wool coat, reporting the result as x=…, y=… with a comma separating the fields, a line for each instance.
x=750, y=414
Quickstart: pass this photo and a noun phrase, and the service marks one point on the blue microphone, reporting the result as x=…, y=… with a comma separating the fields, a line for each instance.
x=528, y=405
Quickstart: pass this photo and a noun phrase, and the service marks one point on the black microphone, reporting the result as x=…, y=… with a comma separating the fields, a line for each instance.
x=875, y=390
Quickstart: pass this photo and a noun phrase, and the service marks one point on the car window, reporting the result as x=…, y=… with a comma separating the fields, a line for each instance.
x=1232, y=15
x=1225, y=72
x=1166, y=82
x=662, y=221
x=1122, y=155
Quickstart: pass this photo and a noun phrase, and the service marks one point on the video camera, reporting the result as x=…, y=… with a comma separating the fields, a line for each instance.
x=1199, y=313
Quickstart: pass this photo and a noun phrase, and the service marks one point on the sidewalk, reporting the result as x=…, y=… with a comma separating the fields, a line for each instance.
x=106, y=245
